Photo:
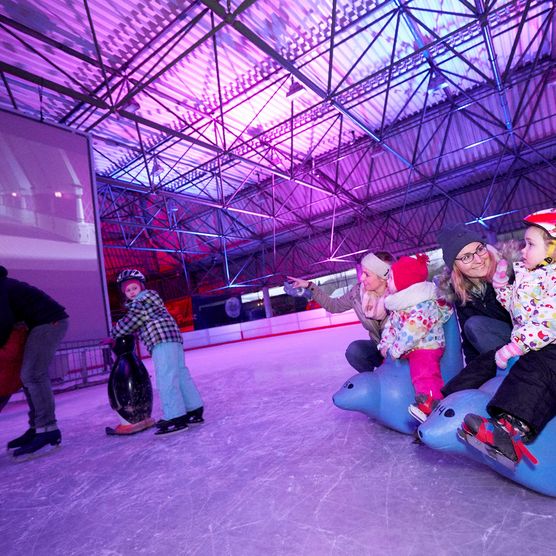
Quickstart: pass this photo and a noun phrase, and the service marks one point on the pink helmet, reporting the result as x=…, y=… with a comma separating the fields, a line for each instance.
x=545, y=219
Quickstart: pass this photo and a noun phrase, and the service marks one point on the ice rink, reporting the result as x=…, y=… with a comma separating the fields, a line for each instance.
x=275, y=470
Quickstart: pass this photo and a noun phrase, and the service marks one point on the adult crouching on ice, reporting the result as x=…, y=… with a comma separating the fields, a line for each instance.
x=47, y=322
x=470, y=265
x=366, y=298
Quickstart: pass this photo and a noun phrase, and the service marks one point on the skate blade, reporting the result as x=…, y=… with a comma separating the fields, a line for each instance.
x=487, y=450
x=43, y=452
x=417, y=414
x=159, y=433
x=189, y=423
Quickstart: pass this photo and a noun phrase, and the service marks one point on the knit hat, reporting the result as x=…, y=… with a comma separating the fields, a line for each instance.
x=371, y=262
x=453, y=239
x=407, y=271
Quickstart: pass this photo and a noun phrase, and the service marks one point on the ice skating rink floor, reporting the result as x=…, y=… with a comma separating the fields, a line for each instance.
x=276, y=470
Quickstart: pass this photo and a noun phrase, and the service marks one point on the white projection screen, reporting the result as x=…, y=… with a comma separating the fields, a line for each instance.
x=48, y=225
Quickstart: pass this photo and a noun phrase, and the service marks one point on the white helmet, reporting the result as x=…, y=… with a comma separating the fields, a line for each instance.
x=545, y=219
x=130, y=274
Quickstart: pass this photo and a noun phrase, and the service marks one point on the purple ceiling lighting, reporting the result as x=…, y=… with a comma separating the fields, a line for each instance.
x=207, y=159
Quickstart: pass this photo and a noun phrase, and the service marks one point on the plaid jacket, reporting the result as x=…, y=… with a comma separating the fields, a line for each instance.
x=147, y=314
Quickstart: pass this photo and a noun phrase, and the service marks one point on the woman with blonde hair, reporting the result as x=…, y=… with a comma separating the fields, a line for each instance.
x=467, y=282
x=366, y=298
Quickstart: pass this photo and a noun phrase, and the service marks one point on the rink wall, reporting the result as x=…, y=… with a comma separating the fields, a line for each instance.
x=284, y=324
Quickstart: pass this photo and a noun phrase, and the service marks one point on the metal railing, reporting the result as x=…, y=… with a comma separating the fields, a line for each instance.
x=80, y=363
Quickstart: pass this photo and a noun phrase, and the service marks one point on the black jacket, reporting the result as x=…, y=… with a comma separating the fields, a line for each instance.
x=485, y=306
x=21, y=302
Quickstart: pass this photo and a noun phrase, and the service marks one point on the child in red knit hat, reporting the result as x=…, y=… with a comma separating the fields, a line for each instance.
x=414, y=329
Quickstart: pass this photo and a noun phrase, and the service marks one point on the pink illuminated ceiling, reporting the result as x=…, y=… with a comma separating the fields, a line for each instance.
x=410, y=114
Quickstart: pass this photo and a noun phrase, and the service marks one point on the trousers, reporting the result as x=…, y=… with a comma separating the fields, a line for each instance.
x=178, y=393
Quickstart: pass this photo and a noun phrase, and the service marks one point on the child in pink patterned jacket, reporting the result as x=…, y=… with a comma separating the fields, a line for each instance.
x=526, y=399
x=414, y=329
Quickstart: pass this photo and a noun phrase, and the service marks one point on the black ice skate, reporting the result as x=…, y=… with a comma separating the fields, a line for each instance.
x=42, y=443
x=20, y=441
x=172, y=426
x=195, y=416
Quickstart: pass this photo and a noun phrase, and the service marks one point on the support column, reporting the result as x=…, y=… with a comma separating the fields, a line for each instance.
x=267, y=304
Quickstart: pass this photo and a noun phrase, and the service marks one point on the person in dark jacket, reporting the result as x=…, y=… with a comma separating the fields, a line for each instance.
x=47, y=322
x=467, y=282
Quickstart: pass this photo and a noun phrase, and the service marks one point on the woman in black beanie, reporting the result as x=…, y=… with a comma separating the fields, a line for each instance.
x=470, y=264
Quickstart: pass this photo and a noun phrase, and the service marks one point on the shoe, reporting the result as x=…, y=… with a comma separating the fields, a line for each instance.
x=127, y=429
x=20, y=441
x=424, y=405
x=500, y=439
x=195, y=416
x=40, y=444
x=171, y=426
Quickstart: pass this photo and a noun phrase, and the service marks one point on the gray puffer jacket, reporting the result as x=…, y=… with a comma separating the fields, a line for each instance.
x=350, y=300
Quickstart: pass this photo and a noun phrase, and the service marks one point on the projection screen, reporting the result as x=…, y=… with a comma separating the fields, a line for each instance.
x=48, y=224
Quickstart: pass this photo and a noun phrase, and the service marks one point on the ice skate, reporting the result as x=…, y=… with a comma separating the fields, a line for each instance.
x=43, y=443
x=498, y=439
x=195, y=417
x=171, y=426
x=424, y=405
x=20, y=441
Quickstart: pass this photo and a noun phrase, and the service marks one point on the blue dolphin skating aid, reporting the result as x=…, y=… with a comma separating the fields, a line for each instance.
x=386, y=393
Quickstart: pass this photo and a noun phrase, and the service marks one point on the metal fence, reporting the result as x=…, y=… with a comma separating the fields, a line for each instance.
x=80, y=363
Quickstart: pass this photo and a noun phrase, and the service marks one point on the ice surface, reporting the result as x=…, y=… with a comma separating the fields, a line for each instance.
x=276, y=470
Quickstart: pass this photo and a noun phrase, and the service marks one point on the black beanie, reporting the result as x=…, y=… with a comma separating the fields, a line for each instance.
x=453, y=239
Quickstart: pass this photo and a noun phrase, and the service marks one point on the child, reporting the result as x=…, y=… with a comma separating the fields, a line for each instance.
x=414, y=329
x=181, y=402
x=526, y=399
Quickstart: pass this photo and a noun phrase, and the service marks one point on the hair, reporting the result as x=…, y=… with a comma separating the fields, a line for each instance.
x=549, y=242
x=463, y=285
x=384, y=256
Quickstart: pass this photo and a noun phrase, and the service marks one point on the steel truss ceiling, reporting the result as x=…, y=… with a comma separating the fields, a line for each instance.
x=412, y=113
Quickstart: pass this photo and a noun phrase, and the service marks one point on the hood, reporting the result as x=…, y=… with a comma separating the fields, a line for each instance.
x=3, y=272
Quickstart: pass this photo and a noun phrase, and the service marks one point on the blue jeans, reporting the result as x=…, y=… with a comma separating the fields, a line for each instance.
x=486, y=334
x=178, y=393
x=363, y=355
x=39, y=351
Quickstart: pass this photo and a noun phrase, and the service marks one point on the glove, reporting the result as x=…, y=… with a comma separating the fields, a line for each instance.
x=507, y=352
x=290, y=289
x=500, y=278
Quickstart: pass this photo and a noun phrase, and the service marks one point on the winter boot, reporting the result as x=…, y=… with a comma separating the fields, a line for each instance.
x=424, y=405
x=171, y=426
x=20, y=441
x=195, y=416
x=40, y=444
x=500, y=439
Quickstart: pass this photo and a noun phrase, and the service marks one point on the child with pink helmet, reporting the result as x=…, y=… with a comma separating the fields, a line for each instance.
x=526, y=400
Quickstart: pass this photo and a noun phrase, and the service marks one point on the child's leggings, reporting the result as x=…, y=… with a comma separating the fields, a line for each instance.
x=424, y=368
x=178, y=393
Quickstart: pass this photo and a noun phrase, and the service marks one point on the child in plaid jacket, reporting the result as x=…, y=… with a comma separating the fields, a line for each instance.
x=180, y=399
